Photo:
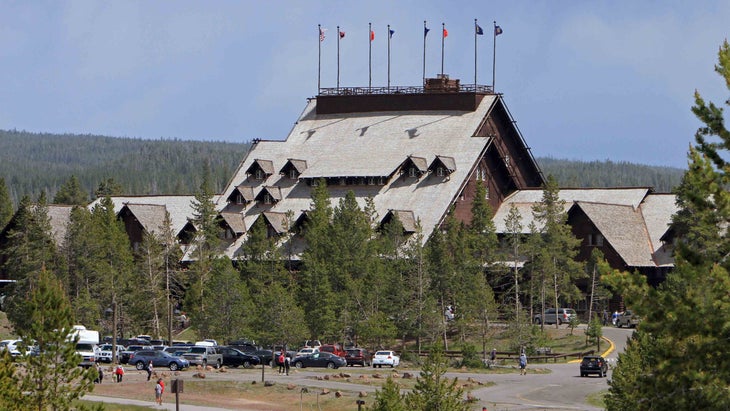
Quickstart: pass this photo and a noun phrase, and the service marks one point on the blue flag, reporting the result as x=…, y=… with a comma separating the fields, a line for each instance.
x=479, y=30
x=391, y=33
x=497, y=30
x=425, y=31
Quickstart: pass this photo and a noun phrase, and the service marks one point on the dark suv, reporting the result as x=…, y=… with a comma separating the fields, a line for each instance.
x=358, y=356
x=140, y=359
x=593, y=364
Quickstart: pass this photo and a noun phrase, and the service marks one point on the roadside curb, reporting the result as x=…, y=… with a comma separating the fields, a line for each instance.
x=609, y=350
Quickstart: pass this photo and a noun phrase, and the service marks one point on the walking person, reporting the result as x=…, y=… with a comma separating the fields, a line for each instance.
x=119, y=373
x=287, y=364
x=523, y=363
x=158, y=392
x=281, y=359
x=493, y=357
x=149, y=370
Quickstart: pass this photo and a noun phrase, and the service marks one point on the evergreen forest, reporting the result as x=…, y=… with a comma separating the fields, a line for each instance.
x=35, y=162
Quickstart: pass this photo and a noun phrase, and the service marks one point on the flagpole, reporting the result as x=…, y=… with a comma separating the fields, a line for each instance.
x=388, y=34
x=494, y=53
x=443, y=27
x=338, y=59
x=319, y=57
x=370, y=56
x=425, y=33
x=475, y=54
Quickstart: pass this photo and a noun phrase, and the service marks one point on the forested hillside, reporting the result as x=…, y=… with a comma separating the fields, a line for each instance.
x=31, y=163
x=34, y=162
x=572, y=173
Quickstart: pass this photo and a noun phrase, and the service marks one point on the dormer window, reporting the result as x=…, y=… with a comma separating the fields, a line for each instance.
x=443, y=166
x=371, y=181
x=239, y=198
x=293, y=174
x=412, y=172
x=259, y=174
x=267, y=198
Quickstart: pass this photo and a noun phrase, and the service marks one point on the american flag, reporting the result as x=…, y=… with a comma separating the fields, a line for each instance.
x=321, y=34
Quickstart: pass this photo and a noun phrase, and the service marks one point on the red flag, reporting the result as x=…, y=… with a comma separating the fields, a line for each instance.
x=372, y=35
x=446, y=33
x=342, y=34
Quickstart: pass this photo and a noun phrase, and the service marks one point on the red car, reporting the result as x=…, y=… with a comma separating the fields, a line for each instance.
x=335, y=349
x=359, y=356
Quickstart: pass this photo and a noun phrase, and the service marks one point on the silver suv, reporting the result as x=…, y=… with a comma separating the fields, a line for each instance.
x=563, y=316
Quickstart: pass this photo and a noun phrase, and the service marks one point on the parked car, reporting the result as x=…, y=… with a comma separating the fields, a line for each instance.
x=177, y=351
x=563, y=316
x=335, y=349
x=593, y=364
x=234, y=358
x=159, y=359
x=244, y=345
x=385, y=358
x=627, y=319
x=204, y=355
x=306, y=351
x=104, y=352
x=126, y=354
x=319, y=359
x=360, y=356
x=266, y=356
x=312, y=344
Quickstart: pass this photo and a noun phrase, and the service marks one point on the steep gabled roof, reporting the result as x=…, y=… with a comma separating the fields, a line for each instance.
x=276, y=221
x=150, y=216
x=60, y=216
x=658, y=210
x=234, y=221
x=179, y=207
x=622, y=226
x=523, y=200
x=374, y=144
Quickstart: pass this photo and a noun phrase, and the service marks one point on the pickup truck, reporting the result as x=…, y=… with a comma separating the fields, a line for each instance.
x=104, y=353
x=204, y=355
x=627, y=319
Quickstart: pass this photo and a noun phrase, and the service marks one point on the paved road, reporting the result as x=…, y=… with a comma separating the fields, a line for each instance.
x=560, y=389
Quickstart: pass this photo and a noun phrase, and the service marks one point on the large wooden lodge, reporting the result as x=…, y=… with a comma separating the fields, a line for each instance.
x=416, y=151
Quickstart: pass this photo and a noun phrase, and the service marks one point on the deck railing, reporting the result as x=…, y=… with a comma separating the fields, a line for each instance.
x=361, y=91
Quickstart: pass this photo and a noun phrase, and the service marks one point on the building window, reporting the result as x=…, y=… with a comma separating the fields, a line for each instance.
x=486, y=192
x=412, y=172
x=239, y=198
x=343, y=181
x=595, y=240
x=293, y=174
x=267, y=198
x=259, y=174
x=440, y=171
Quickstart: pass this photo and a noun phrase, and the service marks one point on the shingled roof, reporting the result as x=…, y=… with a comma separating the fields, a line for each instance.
x=179, y=207
x=372, y=144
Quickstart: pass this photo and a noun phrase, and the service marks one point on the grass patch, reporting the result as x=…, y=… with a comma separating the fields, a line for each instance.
x=596, y=399
x=113, y=407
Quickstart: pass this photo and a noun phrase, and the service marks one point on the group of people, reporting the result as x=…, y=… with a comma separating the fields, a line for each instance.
x=118, y=374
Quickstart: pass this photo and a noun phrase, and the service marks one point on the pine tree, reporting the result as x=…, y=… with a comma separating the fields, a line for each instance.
x=52, y=379
x=30, y=247
x=677, y=359
x=109, y=187
x=317, y=297
x=206, y=248
x=558, y=248
x=71, y=193
x=6, y=205
x=389, y=398
x=434, y=391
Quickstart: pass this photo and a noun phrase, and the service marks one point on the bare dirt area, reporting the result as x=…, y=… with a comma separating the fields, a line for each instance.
x=228, y=391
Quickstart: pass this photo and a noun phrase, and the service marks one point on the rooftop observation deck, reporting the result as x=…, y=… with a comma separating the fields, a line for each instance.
x=439, y=93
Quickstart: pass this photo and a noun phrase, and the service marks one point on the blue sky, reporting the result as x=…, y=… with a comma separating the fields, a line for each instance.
x=586, y=80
